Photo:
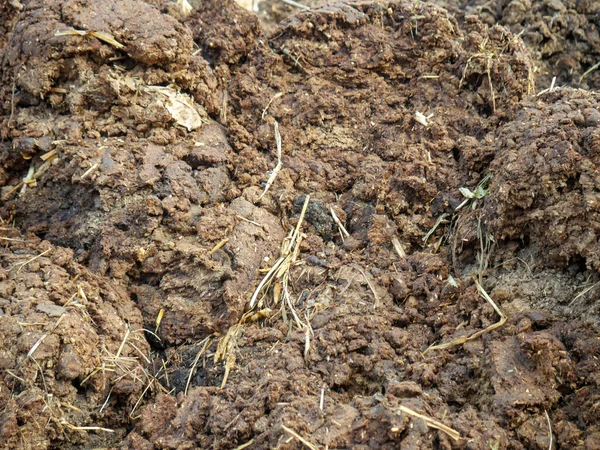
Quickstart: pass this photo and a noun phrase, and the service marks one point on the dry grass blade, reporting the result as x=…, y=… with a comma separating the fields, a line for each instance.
x=46, y=156
x=300, y=438
x=15, y=376
x=245, y=445
x=230, y=364
x=343, y=232
x=74, y=428
x=276, y=96
x=100, y=35
x=289, y=251
x=218, y=246
x=422, y=118
x=296, y=4
x=585, y=291
x=279, y=163
x=159, y=318
x=550, y=437
x=276, y=281
x=90, y=170
x=398, y=247
x=549, y=89
x=186, y=8
x=226, y=347
x=33, y=175
x=123, y=343
x=461, y=340
x=36, y=345
x=105, y=402
x=205, y=344
x=376, y=304
x=432, y=423
x=139, y=400
x=24, y=263
x=438, y=222
x=590, y=70
x=489, y=74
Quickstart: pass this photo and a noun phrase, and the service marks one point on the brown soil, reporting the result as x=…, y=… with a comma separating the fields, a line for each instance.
x=66, y=356
x=135, y=217
x=562, y=35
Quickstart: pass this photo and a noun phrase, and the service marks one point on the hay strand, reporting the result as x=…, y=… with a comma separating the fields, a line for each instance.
x=432, y=423
x=279, y=163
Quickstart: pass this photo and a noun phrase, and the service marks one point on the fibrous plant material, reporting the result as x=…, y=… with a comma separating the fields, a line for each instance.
x=461, y=340
x=343, y=232
x=432, y=423
x=275, y=281
x=278, y=274
x=308, y=444
x=279, y=163
x=100, y=35
x=183, y=109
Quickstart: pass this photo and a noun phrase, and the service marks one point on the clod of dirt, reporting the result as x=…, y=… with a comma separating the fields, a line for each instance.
x=91, y=79
x=152, y=214
x=546, y=177
x=364, y=362
x=317, y=214
x=65, y=58
x=385, y=110
x=70, y=345
x=226, y=31
x=345, y=83
x=562, y=35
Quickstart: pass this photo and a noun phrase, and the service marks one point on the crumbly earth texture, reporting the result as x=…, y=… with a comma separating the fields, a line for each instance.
x=562, y=35
x=72, y=349
x=355, y=226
